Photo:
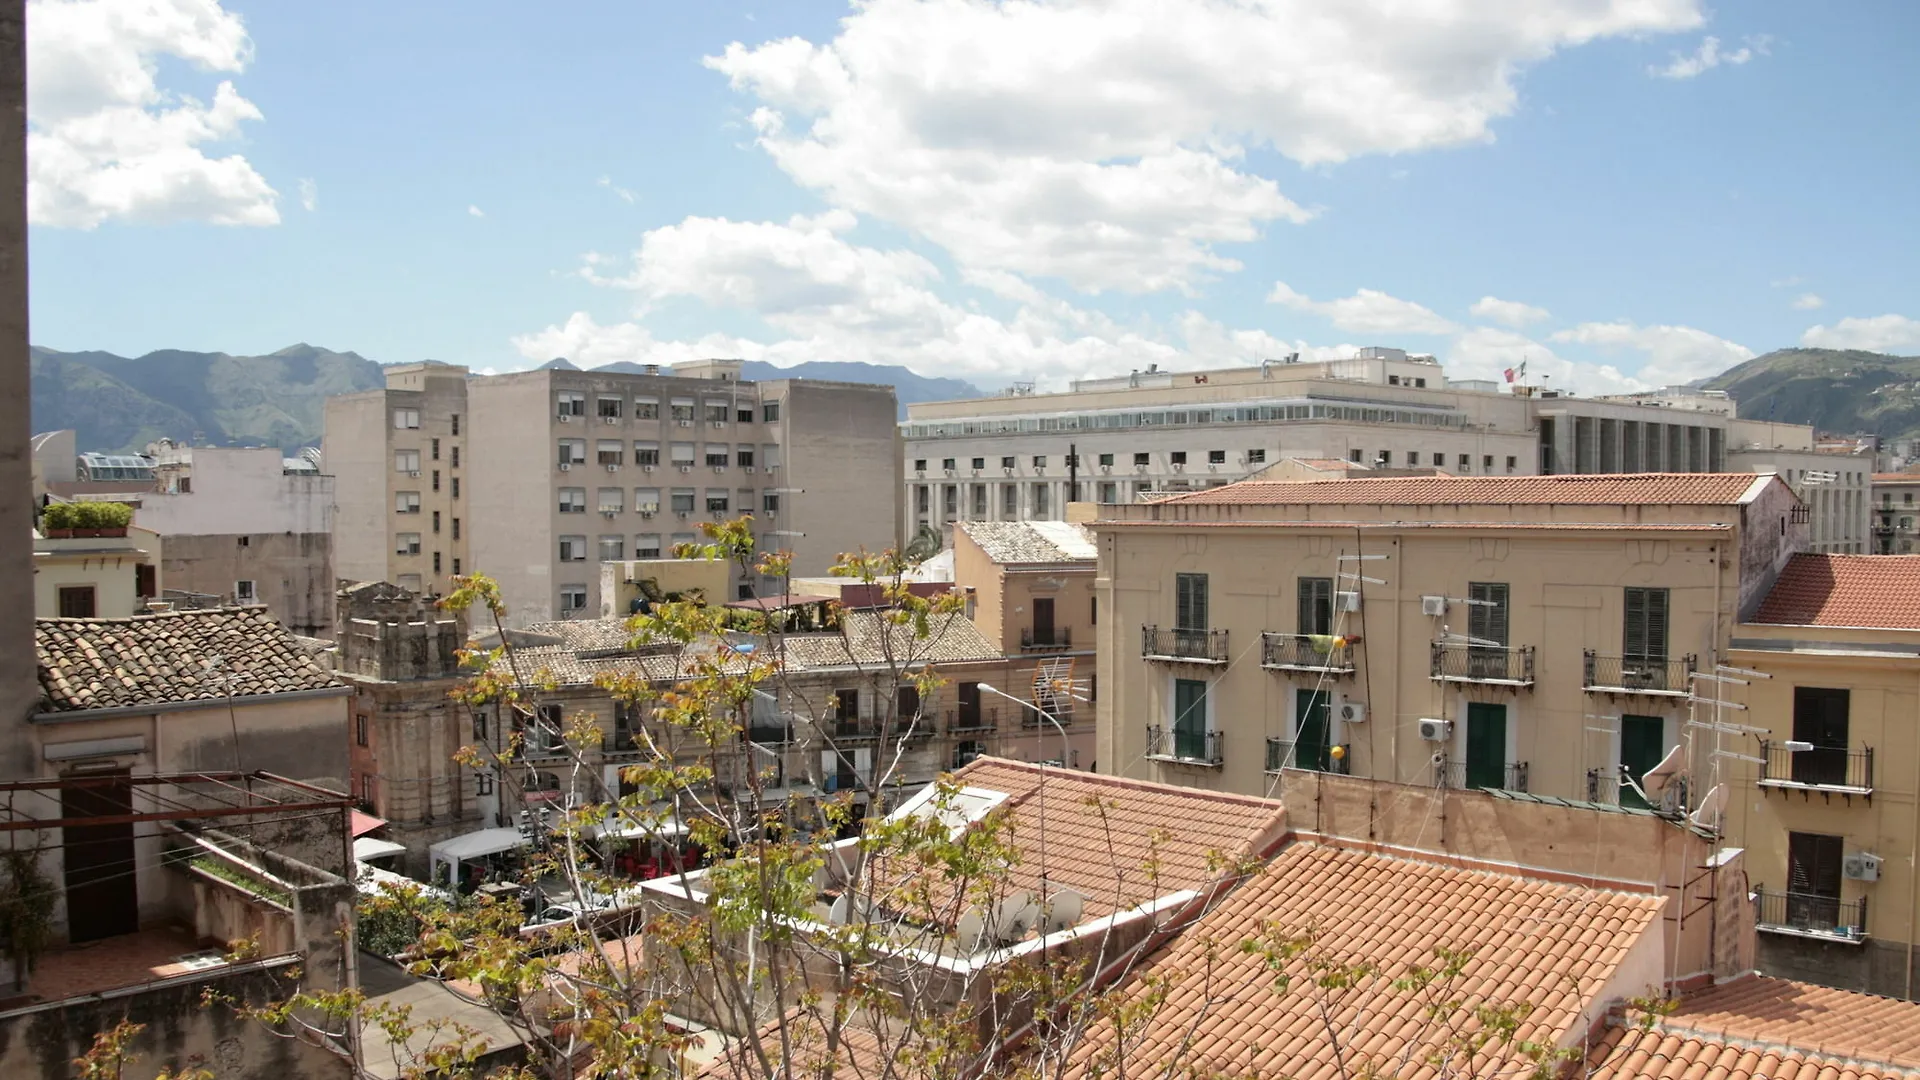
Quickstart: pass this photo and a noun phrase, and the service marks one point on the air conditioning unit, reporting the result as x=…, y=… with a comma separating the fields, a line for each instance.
x=1860, y=866
x=719, y=423
x=1436, y=730
x=608, y=513
x=719, y=468
x=563, y=468
x=686, y=423
x=646, y=513
x=609, y=419
x=683, y=514
x=686, y=468
x=1139, y=466
x=1433, y=605
x=1346, y=601
x=648, y=508
x=1008, y=470
x=746, y=468
x=613, y=468
x=950, y=472
x=1179, y=466
x=566, y=418
x=1211, y=467
x=415, y=474
x=1106, y=468
x=646, y=468
x=1353, y=712
x=771, y=468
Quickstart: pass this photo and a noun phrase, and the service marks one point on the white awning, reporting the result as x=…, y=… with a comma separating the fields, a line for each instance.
x=624, y=828
x=473, y=845
x=366, y=847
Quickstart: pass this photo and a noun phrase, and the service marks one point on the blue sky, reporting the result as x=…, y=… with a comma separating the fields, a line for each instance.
x=1623, y=193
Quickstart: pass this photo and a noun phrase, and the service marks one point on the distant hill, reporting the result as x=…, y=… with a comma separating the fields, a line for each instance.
x=115, y=403
x=1838, y=390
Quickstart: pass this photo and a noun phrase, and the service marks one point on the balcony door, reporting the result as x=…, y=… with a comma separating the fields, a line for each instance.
x=1043, y=620
x=1311, y=735
x=1487, y=626
x=1813, y=880
x=1316, y=605
x=1190, y=614
x=1643, y=651
x=1820, y=718
x=1643, y=742
x=1190, y=718
x=1486, y=765
x=102, y=898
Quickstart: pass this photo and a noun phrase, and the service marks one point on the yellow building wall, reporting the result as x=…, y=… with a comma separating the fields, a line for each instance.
x=106, y=563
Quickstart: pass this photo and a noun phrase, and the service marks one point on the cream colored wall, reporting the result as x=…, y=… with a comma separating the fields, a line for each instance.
x=58, y=563
x=983, y=582
x=1881, y=672
x=619, y=581
x=1070, y=589
x=1565, y=596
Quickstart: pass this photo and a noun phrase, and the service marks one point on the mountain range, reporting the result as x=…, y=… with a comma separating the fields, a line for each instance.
x=119, y=404
x=1846, y=391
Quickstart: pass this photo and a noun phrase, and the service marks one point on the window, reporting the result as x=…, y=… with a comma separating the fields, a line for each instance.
x=1006, y=462
x=456, y=533
x=1413, y=459
x=717, y=412
x=569, y=403
x=1316, y=605
x=436, y=562
x=1009, y=501
x=612, y=548
x=454, y=452
x=950, y=498
x=1645, y=639
x=456, y=568
x=436, y=448
x=145, y=583
x=409, y=582
x=743, y=457
x=919, y=464
x=436, y=522
x=646, y=546
x=1820, y=719
x=1513, y=463
x=573, y=549
x=646, y=453
x=406, y=502
x=482, y=782
x=1039, y=461
x=76, y=602
x=1487, y=621
x=1106, y=459
x=608, y=408
x=1141, y=461
x=682, y=453
x=456, y=423
x=646, y=408
x=573, y=500
x=681, y=410
x=717, y=456
x=406, y=419
x=406, y=544
x=1813, y=879
x=573, y=451
x=716, y=500
x=609, y=452
x=360, y=728
x=979, y=508
x=1216, y=457
x=770, y=412
x=1486, y=462
x=1439, y=461
x=1466, y=463
x=573, y=598
x=682, y=500
x=947, y=464
x=1109, y=492
x=979, y=463
x=436, y=479
x=743, y=415
x=1040, y=493
x=455, y=484
x=406, y=461
x=1256, y=457
x=770, y=502
x=1190, y=718
x=646, y=500
x=1190, y=601
x=612, y=499
x=1178, y=457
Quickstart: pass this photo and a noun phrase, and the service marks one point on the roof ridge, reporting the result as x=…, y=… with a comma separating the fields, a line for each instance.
x=1722, y=1034
x=1109, y=780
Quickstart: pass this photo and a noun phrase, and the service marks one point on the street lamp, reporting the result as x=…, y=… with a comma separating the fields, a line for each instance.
x=1066, y=748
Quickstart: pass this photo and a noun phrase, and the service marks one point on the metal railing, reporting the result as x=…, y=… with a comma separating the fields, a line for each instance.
x=770, y=734
x=1820, y=767
x=1200, y=646
x=1062, y=712
x=1809, y=912
x=1055, y=640
x=1603, y=786
x=1179, y=744
x=1511, y=776
x=986, y=718
x=1510, y=665
x=1306, y=652
x=1285, y=754
x=1638, y=674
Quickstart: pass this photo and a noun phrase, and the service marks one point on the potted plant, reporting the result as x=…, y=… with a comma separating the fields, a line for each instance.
x=61, y=521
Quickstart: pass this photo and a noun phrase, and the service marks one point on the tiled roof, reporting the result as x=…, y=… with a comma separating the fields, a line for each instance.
x=1103, y=852
x=1548, y=945
x=586, y=635
x=1756, y=1027
x=1015, y=542
x=1879, y=591
x=1896, y=478
x=167, y=659
x=1644, y=489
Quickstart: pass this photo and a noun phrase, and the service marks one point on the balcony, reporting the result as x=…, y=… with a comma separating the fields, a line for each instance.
x=1462, y=776
x=770, y=734
x=1283, y=754
x=1491, y=665
x=1183, y=646
x=1826, y=770
x=1306, y=652
x=1826, y=918
x=1040, y=641
x=1637, y=675
x=1184, y=747
x=1604, y=787
x=972, y=720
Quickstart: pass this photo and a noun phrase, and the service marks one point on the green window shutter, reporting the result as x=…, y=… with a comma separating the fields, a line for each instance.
x=1487, y=620
x=1190, y=598
x=1316, y=605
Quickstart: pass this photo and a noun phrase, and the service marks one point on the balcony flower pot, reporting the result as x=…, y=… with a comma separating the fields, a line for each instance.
x=86, y=534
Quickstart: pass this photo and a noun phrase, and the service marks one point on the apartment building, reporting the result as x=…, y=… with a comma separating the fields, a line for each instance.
x=1833, y=477
x=1526, y=633
x=1893, y=512
x=1827, y=814
x=395, y=455
x=1024, y=455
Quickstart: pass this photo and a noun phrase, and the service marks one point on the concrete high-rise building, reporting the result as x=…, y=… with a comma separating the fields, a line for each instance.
x=1833, y=477
x=537, y=477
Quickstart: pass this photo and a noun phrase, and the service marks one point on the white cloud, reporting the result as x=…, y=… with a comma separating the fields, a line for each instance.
x=1808, y=302
x=1509, y=312
x=625, y=195
x=309, y=195
x=1879, y=333
x=1367, y=311
x=106, y=142
x=1675, y=354
x=1486, y=352
x=1104, y=143
x=1709, y=56
x=475, y=211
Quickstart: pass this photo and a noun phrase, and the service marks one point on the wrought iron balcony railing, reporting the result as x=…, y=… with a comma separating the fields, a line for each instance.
x=770, y=734
x=1838, y=769
x=1187, y=646
x=1287, y=754
x=1811, y=914
x=1465, y=776
x=1498, y=665
x=976, y=719
x=1055, y=640
x=1184, y=745
x=1306, y=652
x=1604, y=787
x=1637, y=674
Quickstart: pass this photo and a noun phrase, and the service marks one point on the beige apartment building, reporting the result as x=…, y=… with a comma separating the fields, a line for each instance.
x=1530, y=633
x=1007, y=458
x=396, y=458
x=1894, y=512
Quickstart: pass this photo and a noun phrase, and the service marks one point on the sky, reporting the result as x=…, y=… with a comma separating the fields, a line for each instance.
x=1620, y=193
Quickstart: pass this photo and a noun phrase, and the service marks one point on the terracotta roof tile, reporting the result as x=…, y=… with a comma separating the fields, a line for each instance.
x=1881, y=591
x=1014, y=542
x=1896, y=478
x=167, y=659
x=1645, y=489
x=1548, y=944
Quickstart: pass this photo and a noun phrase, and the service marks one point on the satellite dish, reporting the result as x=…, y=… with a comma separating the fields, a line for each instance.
x=841, y=910
x=1707, y=814
x=1015, y=915
x=1064, y=910
x=968, y=929
x=1657, y=778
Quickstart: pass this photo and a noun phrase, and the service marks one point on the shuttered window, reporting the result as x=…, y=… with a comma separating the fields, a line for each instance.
x=1813, y=863
x=1316, y=605
x=1646, y=625
x=1190, y=611
x=1487, y=616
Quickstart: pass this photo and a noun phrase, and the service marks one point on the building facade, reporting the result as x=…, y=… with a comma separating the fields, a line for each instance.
x=1894, y=513
x=1833, y=477
x=1532, y=634
x=1007, y=458
x=110, y=574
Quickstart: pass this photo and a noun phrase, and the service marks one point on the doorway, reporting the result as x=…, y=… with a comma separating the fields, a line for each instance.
x=1312, y=737
x=1643, y=742
x=103, y=898
x=1486, y=765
